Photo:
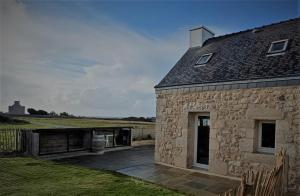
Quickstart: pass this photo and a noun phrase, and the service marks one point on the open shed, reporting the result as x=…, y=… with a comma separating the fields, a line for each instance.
x=64, y=140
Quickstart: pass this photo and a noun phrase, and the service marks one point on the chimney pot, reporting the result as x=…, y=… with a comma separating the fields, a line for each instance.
x=199, y=35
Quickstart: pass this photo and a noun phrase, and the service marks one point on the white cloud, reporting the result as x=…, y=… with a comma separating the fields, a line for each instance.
x=64, y=64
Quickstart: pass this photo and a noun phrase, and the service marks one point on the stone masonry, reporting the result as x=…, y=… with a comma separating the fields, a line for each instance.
x=16, y=109
x=234, y=116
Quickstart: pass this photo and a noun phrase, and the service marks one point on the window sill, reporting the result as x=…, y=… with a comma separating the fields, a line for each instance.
x=275, y=54
x=260, y=158
x=264, y=153
x=263, y=150
x=200, y=65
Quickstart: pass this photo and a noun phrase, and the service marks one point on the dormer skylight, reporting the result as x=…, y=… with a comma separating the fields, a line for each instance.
x=278, y=47
x=203, y=59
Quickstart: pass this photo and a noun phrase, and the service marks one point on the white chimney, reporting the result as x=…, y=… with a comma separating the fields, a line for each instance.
x=199, y=35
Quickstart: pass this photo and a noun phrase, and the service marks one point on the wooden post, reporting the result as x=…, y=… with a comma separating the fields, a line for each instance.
x=285, y=175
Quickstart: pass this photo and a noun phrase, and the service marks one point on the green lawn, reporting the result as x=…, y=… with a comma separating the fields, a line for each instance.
x=73, y=122
x=27, y=176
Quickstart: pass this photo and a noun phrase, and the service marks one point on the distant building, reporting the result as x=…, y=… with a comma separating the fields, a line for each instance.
x=17, y=108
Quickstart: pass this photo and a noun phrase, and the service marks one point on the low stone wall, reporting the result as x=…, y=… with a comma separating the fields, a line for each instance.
x=142, y=133
x=143, y=143
x=233, y=132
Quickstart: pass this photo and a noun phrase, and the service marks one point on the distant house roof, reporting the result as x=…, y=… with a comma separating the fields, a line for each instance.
x=240, y=56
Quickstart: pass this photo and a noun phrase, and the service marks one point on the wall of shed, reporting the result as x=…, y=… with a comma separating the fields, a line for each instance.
x=234, y=115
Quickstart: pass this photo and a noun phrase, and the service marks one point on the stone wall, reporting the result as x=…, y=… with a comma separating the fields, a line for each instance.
x=234, y=116
x=143, y=133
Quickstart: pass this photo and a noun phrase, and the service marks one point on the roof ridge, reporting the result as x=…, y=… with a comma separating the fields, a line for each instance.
x=244, y=31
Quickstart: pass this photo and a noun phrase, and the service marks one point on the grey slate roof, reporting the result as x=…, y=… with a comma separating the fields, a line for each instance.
x=240, y=56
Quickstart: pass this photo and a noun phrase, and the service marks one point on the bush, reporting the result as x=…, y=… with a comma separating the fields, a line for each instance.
x=141, y=119
x=32, y=111
x=52, y=113
x=42, y=112
x=64, y=114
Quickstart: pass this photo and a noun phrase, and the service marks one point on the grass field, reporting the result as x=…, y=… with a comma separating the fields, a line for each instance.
x=74, y=122
x=27, y=176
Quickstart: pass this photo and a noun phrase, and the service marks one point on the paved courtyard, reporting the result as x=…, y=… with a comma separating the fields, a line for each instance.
x=139, y=162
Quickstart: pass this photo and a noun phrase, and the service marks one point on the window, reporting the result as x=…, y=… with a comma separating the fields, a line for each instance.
x=204, y=59
x=266, y=136
x=278, y=46
x=204, y=122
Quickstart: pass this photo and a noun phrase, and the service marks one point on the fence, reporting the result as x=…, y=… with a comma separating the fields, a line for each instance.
x=262, y=183
x=12, y=141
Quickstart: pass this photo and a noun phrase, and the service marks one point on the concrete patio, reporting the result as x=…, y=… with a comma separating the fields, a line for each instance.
x=139, y=162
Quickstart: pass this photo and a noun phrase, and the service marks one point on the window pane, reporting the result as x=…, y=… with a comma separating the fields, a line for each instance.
x=204, y=121
x=268, y=135
x=277, y=46
x=203, y=59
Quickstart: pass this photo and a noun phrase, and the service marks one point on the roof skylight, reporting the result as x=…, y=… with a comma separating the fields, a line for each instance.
x=203, y=59
x=278, y=47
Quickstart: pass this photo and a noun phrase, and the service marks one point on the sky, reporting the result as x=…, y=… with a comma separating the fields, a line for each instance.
x=103, y=58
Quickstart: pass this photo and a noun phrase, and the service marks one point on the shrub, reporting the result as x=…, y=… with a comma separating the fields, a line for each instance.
x=32, y=111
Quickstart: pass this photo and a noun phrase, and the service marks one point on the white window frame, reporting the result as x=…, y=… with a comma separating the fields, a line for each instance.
x=259, y=147
x=278, y=51
x=202, y=64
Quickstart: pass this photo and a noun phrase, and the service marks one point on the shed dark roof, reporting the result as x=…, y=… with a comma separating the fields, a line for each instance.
x=240, y=56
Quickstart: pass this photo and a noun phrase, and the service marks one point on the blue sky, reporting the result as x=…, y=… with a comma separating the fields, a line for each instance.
x=159, y=18
x=102, y=58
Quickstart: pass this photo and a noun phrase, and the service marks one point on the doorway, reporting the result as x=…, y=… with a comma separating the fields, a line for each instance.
x=201, y=150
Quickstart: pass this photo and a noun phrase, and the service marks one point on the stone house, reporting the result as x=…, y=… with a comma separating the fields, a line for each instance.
x=231, y=102
x=16, y=109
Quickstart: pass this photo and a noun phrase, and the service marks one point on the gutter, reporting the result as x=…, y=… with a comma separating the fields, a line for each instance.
x=257, y=83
